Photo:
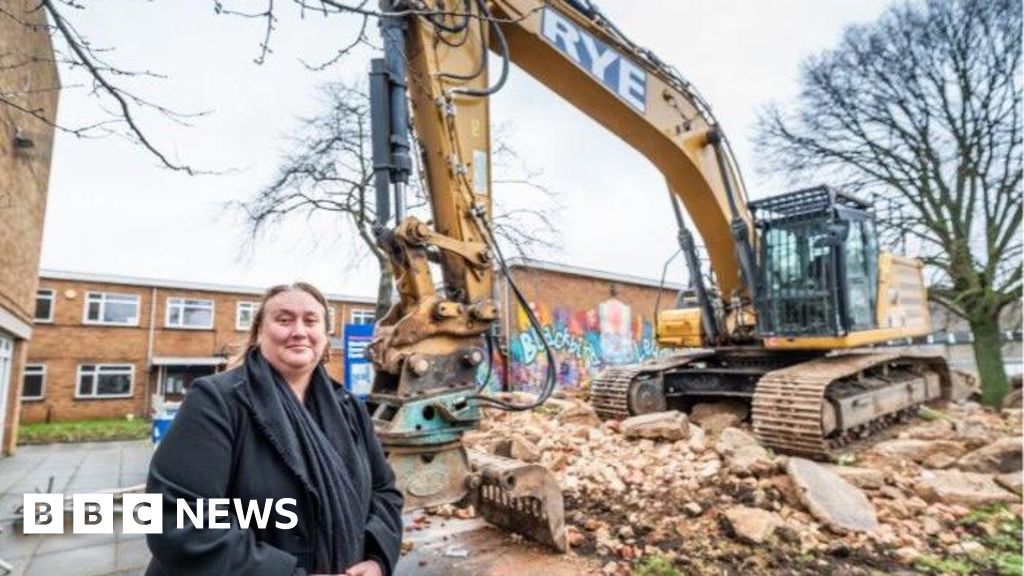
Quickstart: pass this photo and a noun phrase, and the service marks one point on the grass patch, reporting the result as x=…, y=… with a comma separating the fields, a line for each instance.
x=999, y=531
x=83, y=431
x=655, y=565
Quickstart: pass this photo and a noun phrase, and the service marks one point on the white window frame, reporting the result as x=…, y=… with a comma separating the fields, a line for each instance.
x=129, y=368
x=238, y=313
x=103, y=303
x=52, y=297
x=42, y=389
x=330, y=320
x=167, y=313
x=359, y=312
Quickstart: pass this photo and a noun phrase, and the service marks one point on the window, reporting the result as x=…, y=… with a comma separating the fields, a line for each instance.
x=33, y=385
x=363, y=317
x=105, y=381
x=178, y=379
x=112, y=309
x=44, y=305
x=189, y=313
x=330, y=320
x=861, y=286
x=244, y=314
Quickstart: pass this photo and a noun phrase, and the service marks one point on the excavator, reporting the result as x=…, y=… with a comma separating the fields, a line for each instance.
x=800, y=288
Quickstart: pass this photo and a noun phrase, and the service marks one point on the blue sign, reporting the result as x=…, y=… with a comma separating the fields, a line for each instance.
x=614, y=70
x=358, y=369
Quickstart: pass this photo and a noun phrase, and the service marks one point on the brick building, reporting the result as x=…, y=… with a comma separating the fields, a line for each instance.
x=29, y=85
x=105, y=345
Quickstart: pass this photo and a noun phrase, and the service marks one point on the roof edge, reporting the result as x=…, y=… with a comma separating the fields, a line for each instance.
x=523, y=262
x=178, y=284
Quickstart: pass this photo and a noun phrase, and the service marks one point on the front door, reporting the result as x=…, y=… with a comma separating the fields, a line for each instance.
x=6, y=360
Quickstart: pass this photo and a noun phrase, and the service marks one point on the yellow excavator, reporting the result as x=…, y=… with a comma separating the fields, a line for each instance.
x=798, y=279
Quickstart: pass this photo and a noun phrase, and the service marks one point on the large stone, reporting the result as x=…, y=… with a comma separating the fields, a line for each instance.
x=864, y=478
x=705, y=409
x=581, y=414
x=716, y=417
x=939, y=461
x=1000, y=457
x=733, y=439
x=518, y=447
x=973, y=432
x=917, y=450
x=743, y=454
x=941, y=429
x=1014, y=481
x=697, y=440
x=669, y=425
x=752, y=525
x=835, y=502
x=965, y=488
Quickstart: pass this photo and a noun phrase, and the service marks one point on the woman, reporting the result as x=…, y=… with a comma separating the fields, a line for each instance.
x=277, y=427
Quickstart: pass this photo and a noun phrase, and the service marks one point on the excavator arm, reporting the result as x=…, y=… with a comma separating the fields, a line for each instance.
x=573, y=50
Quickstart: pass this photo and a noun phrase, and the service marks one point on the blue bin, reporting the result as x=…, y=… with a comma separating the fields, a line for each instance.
x=161, y=424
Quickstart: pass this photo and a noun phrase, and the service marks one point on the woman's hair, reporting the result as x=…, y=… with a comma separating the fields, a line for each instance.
x=257, y=319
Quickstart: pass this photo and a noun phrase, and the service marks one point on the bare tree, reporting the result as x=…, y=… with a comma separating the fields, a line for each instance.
x=923, y=109
x=119, y=105
x=123, y=110
x=332, y=172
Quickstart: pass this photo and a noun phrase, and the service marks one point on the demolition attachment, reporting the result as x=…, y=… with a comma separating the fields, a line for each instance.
x=430, y=348
x=522, y=498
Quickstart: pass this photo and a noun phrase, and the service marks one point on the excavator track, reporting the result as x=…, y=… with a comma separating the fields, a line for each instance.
x=610, y=390
x=794, y=411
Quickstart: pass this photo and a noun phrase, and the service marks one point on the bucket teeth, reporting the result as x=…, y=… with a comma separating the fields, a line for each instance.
x=519, y=497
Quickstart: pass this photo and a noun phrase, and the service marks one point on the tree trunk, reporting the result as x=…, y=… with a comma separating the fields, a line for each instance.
x=384, y=289
x=988, y=353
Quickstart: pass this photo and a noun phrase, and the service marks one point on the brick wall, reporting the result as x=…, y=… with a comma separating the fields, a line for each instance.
x=68, y=342
x=24, y=172
x=24, y=177
x=590, y=322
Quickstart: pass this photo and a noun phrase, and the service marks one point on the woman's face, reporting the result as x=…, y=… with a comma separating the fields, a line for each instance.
x=293, y=334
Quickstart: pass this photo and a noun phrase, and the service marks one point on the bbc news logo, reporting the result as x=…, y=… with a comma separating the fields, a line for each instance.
x=143, y=513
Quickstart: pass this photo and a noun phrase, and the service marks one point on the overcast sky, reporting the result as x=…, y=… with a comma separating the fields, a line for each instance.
x=113, y=210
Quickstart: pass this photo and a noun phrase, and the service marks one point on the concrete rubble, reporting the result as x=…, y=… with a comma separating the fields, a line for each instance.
x=669, y=425
x=967, y=488
x=702, y=493
x=832, y=500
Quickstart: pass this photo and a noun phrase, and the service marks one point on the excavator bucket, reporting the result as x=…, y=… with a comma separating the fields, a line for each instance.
x=519, y=497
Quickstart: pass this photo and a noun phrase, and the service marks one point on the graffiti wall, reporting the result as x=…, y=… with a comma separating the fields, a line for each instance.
x=583, y=342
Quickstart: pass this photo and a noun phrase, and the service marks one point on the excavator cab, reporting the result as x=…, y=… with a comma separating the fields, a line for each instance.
x=818, y=266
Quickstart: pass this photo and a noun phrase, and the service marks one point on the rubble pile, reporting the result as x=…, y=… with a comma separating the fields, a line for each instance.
x=700, y=493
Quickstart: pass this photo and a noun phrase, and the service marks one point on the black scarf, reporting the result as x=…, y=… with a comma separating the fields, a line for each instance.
x=320, y=439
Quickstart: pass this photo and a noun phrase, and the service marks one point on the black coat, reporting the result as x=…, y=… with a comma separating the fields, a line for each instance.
x=222, y=446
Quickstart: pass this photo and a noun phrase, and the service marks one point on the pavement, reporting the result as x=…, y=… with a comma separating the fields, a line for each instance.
x=74, y=468
x=451, y=546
